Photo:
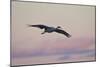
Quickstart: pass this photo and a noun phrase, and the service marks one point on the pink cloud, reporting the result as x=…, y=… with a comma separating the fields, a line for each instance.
x=58, y=46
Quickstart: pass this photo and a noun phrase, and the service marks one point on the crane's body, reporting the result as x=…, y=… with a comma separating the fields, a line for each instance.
x=50, y=29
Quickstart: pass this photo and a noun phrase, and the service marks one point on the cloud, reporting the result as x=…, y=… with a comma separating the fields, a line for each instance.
x=69, y=54
x=72, y=47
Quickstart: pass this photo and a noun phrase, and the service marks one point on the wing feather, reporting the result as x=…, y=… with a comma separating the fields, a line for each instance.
x=38, y=26
x=63, y=32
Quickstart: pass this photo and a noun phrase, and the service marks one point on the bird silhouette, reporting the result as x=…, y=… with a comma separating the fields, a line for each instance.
x=51, y=29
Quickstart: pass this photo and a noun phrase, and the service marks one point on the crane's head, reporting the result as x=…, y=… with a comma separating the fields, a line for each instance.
x=58, y=27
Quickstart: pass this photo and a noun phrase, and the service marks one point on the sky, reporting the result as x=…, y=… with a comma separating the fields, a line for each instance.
x=28, y=46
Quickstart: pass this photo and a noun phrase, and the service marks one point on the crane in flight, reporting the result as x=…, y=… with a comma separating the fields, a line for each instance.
x=48, y=29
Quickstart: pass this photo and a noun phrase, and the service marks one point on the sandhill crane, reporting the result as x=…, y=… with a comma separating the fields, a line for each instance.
x=51, y=29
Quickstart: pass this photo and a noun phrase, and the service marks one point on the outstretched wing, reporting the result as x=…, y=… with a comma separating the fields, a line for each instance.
x=39, y=26
x=63, y=32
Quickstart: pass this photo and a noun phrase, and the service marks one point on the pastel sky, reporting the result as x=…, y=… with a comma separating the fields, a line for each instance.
x=28, y=46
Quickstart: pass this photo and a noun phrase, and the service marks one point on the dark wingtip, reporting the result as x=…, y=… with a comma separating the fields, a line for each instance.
x=29, y=25
x=69, y=36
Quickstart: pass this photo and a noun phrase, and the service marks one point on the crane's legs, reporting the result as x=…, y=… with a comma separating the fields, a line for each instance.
x=43, y=32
